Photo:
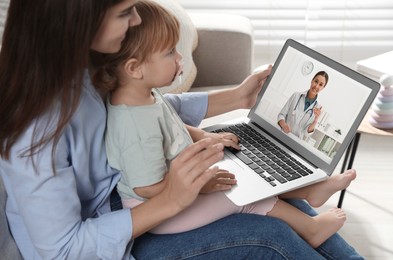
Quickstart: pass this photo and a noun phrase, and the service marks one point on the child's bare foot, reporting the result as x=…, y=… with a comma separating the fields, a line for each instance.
x=319, y=193
x=326, y=224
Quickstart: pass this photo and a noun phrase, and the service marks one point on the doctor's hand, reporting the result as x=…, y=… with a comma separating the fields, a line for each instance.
x=317, y=112
x=284, y=126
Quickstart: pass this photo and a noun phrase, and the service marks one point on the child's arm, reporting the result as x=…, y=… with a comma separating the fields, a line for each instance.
x=150, y=191
x=196, y=133
x=227, y=139
x=222, y=181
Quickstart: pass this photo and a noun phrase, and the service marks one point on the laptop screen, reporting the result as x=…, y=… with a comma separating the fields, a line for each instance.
x=313, y=104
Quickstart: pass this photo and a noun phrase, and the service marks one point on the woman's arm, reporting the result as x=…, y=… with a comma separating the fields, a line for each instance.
x=242, y=96
x=193, y=107
x=53, y=213
x=60, y=226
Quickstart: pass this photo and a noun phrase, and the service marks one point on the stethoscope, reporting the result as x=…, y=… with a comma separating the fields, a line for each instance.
x=308, y=109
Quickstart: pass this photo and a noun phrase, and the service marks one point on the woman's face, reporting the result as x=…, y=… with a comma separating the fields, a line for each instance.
x=114, y=26
x=317, y=84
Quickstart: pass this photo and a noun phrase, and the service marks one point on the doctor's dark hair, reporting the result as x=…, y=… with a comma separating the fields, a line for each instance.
x=43, y=58
x=158, y=30
x=323, y=74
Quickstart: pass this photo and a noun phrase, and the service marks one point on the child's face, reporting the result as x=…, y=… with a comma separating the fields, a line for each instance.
x=162, y=67
x=114, y=26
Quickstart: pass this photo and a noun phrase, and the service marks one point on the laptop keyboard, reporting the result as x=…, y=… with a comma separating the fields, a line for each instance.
x=264, y=157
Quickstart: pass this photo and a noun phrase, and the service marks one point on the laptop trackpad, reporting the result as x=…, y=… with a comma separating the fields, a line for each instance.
x=250, y=186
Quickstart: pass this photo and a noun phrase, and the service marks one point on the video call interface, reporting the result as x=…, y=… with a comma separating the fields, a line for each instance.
x=339, y=102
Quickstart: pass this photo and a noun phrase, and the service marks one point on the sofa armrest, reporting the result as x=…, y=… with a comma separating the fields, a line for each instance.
x=225, y=49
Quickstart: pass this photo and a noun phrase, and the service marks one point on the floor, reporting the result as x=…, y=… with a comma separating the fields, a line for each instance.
x=368, y=201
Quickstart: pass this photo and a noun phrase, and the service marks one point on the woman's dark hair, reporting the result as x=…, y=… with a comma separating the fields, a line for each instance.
x=44, y=54
x=323, y=74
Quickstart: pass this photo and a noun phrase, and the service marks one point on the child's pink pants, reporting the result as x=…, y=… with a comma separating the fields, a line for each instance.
x=206, y=209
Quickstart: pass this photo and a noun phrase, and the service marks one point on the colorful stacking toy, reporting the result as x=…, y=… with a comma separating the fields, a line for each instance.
x=382, y=109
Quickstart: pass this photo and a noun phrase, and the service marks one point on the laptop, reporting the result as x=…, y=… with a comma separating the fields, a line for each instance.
x=272, y=161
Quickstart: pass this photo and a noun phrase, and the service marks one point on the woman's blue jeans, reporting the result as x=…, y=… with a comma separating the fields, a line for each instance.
x=241, y=236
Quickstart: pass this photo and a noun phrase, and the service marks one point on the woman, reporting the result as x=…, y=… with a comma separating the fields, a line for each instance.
x=301, y=112
x=53, y=161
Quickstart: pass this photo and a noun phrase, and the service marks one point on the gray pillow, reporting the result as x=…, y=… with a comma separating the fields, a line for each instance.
x=3, y=13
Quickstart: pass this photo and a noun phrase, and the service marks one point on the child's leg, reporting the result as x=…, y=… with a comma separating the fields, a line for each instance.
x=206, y=209
x=314, y=230
x=317, y=194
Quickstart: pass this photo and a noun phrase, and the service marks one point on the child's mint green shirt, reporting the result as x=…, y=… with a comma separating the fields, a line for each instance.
x=141, y=141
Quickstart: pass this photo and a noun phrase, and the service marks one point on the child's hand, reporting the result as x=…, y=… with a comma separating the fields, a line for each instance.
x=222, y=180
x=227, y=139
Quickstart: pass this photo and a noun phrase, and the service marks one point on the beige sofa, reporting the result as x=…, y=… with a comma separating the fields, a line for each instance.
x=224, y=53
x=223, y=58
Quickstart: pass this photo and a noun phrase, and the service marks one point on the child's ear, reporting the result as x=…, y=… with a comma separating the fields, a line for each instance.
x=132, y=68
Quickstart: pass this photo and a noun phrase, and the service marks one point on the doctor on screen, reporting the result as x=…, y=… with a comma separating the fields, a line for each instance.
x=300, y=113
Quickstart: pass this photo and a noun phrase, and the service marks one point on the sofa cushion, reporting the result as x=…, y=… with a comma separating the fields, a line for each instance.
x=187, y=44
x=224, y=53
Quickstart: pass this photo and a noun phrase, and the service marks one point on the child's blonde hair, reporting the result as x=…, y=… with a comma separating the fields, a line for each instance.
x=158, y=30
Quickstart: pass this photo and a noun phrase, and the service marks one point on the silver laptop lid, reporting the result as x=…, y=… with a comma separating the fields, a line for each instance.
x=343, y=103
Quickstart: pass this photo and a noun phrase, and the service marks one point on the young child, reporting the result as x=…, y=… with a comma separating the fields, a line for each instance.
x=144, y=134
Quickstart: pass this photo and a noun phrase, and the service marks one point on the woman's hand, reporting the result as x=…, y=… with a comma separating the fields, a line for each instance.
x=222, y=180
x=248, y=90
x=243, y=96
x=188, y=173
x=191, y=170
